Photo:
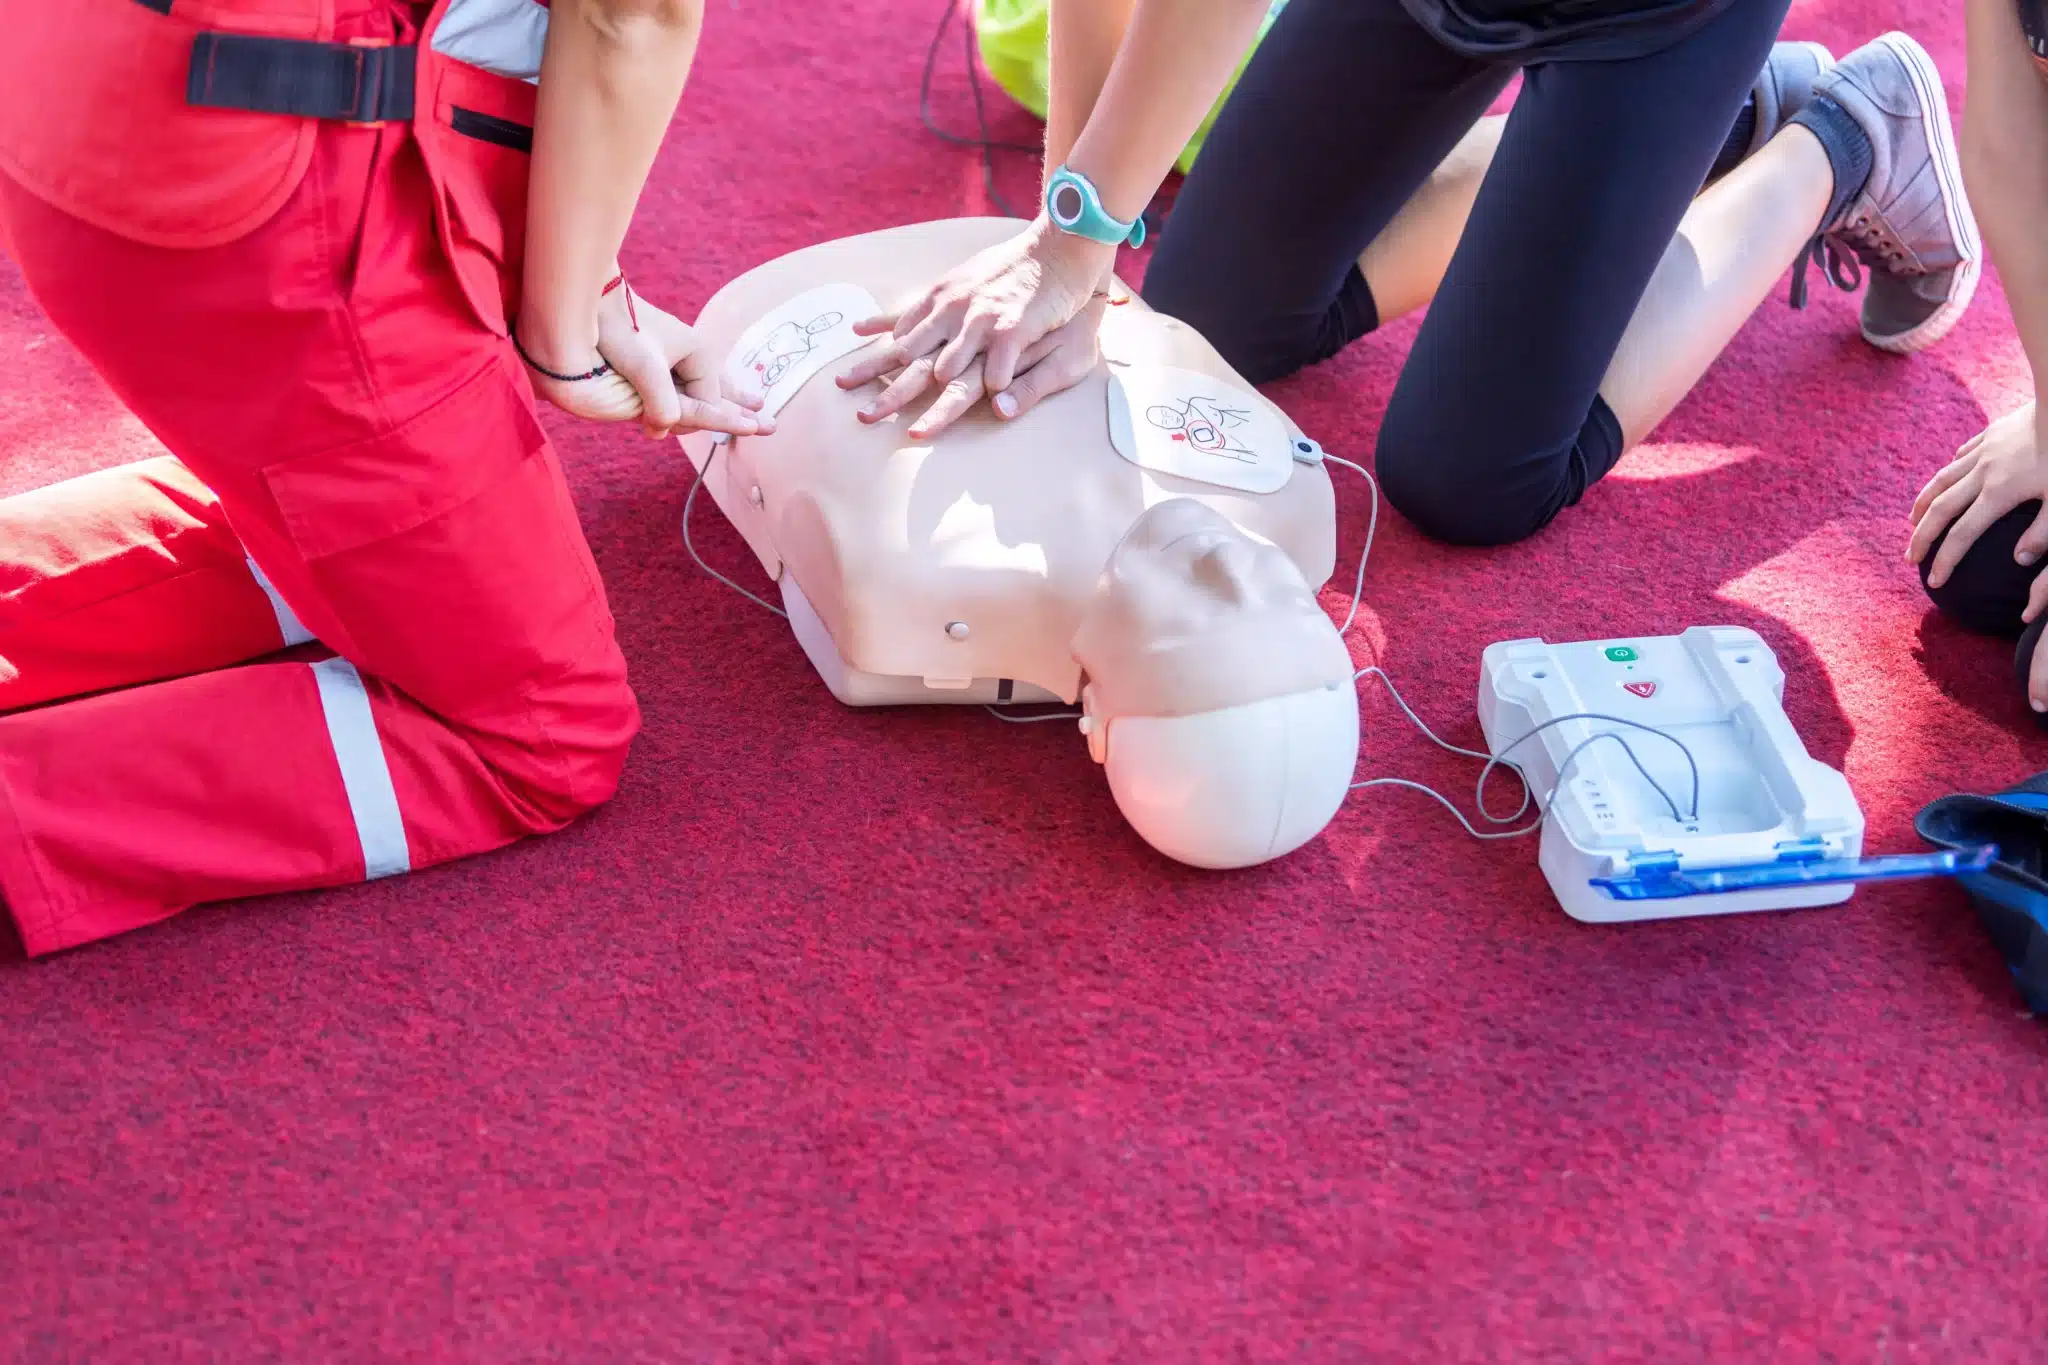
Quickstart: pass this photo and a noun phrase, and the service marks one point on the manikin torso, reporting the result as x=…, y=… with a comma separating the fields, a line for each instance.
x=958, y=567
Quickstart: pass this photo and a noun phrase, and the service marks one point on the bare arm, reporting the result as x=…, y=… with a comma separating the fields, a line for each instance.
x=2005, y=168
x=1176, y=57
x=1018, y=322
x=1085, y=36
x=610, y=80
x=2005, y=165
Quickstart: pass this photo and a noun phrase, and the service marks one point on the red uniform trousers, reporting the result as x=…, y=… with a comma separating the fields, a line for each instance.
x=342, y=417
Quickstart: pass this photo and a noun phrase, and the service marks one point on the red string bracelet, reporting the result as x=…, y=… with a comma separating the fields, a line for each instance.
x=619, y=282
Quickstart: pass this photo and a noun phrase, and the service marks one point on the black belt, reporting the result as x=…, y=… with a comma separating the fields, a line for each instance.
x=303, y=79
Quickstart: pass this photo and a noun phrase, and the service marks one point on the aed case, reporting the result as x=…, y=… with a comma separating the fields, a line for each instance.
x=1772, y=828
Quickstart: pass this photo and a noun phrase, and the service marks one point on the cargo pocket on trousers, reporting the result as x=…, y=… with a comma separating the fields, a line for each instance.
x=449, y=548
x=477, y=138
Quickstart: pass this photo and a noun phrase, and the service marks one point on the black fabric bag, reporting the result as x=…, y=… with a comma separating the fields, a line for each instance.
x=2012, y=896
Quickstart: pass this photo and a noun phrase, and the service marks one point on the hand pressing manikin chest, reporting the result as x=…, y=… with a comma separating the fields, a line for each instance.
x=974, y=555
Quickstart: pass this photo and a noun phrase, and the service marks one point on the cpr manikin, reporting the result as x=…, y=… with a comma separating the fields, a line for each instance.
x=1146, y=544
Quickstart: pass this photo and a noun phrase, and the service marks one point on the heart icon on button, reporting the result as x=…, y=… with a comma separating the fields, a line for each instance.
x=1645, y=688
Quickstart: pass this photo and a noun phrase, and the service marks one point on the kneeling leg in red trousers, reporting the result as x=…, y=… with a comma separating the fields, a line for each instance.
x=339, y=417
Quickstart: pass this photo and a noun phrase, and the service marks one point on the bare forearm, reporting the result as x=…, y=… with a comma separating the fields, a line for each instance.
x=1177, y=56
x=1084, y=38
x=610, y=81
x=2005, y=166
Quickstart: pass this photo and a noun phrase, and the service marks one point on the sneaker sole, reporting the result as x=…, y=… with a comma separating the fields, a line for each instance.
x=1962, y=224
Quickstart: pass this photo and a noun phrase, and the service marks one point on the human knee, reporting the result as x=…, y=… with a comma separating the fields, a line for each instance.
x=1209, y=312
x=1473, y=474
x=1987, y=589
x=1254, y=340
x=1445, y=493
x=578, y=729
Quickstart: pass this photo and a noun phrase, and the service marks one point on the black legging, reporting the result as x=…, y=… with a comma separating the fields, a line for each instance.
x=1497, y=422
x=1987, y=590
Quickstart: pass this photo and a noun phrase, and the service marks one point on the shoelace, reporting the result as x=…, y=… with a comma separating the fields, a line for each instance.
x=1843, y=269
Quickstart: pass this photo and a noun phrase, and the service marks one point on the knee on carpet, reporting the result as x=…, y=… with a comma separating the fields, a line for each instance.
x=1451, y=500
x=1987, y=590
x=1470, y=472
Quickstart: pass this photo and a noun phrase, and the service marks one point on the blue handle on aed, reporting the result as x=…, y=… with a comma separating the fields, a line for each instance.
x=1659, y=877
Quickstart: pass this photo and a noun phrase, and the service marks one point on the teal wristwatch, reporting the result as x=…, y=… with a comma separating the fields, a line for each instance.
x=1074, y=206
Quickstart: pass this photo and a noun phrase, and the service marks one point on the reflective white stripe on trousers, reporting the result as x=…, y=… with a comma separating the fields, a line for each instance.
x=365, y=774
x=288, y=623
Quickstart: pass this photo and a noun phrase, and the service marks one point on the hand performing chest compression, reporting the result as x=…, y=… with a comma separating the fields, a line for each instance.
x=1016, y=323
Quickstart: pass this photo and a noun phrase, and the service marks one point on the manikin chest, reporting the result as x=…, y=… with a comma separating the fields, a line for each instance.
x=961, y=566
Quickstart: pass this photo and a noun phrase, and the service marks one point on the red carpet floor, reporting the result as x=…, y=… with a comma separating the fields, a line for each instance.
x=876, y=1037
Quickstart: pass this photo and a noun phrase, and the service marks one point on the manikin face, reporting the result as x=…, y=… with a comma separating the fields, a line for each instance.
x=1193, y=614
x=1216, y=696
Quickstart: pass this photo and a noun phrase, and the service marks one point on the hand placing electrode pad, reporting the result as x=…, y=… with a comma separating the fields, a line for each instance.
x=1149, y=543
x=784, y=350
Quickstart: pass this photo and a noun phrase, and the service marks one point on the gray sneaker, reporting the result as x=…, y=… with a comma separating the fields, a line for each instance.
x=1912, y=224
x=1784, y=87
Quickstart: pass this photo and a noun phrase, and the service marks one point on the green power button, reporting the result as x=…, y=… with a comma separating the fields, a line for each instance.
x=1621, y=654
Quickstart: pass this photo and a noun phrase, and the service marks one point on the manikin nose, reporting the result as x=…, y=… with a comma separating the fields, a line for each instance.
x=1224, y=570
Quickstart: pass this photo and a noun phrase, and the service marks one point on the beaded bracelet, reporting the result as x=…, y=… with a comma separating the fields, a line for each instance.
x=604, y=367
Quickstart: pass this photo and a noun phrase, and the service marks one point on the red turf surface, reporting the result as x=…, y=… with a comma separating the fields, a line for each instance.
x=876, y=1036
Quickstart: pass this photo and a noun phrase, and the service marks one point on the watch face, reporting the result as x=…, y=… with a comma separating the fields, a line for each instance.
x=1066, y=204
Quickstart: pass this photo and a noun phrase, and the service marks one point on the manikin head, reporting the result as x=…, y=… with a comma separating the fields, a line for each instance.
x=1218, y=694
